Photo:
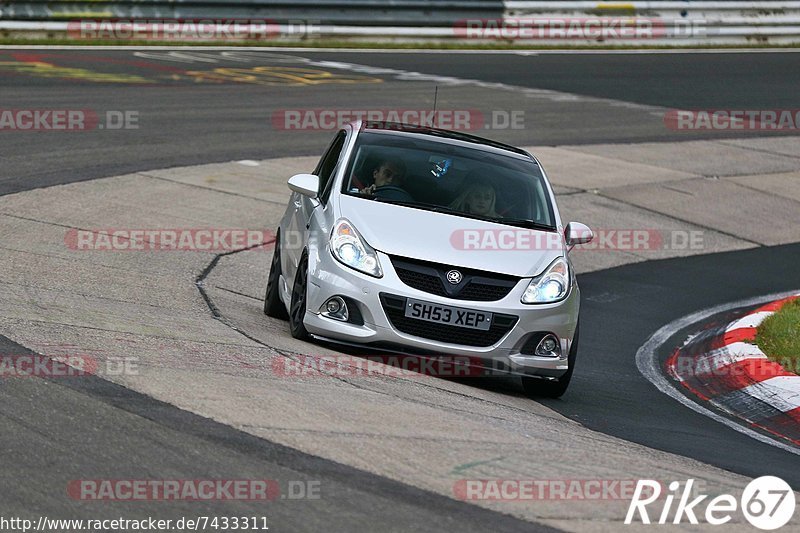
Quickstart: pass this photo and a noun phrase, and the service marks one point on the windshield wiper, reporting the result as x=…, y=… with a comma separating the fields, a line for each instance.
x=422, y=205
x=525, y=223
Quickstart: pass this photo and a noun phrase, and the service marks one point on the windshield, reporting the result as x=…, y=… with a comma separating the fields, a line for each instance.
x=432, y=174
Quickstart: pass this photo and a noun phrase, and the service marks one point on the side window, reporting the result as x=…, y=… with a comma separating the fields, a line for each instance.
x=327, y=164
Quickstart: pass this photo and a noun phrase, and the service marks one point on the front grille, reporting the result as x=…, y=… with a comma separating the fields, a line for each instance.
x=484, y=292
x=423, y=282
x=475, y=285
x=395, y=306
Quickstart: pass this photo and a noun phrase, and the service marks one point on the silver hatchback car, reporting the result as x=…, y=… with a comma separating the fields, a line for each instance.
x=418, y=240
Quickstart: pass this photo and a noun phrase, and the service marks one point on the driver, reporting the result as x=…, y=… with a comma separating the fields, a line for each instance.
x=387, y=178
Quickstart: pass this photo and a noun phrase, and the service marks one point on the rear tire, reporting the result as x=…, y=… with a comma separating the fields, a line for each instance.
x=273, y=306
x=297, y=309
x=546, y=388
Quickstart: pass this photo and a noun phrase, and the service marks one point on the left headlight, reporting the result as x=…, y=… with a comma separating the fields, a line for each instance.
x=349, y=248
x=551, y=286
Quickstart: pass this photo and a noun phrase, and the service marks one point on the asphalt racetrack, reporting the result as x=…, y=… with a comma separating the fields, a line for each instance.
x=190, y=114
x=203, y=107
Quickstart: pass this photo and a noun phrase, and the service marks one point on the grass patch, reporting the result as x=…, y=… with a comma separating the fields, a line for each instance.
x=779, y=336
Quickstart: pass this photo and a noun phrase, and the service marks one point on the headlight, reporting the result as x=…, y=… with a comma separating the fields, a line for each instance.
x=551, y=286
x=349, y=248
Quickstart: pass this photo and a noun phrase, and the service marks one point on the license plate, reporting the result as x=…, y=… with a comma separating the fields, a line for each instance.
x=444, y=314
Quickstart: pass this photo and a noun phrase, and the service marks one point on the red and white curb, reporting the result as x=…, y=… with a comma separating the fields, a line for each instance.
x=721, y=367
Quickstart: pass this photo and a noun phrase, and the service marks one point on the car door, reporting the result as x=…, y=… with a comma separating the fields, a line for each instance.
x=303, y=207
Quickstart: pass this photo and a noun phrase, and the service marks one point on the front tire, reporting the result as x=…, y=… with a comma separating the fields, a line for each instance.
x=273, y=306
x=545, y=388
x=297, y=309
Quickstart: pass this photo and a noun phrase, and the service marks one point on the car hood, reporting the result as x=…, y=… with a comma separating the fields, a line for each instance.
x=452, y=240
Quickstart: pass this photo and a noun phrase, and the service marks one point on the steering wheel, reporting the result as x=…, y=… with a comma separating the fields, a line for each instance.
x=390, y=190
x=393, y=193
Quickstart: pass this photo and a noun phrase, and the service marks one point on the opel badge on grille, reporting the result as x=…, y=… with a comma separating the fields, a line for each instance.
x=454, y=277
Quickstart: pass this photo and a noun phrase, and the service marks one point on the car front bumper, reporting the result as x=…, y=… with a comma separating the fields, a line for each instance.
x=328, y=278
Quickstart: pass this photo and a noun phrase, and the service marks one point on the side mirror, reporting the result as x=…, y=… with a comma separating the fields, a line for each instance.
x=305, y=184
x=577, y=233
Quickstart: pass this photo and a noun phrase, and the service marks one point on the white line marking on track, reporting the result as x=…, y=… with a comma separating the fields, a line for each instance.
x=529, y=92
x=647, y=363
x=190, y=56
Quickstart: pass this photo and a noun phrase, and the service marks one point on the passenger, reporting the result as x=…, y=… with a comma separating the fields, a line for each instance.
x=477, y=199
x=388, y=177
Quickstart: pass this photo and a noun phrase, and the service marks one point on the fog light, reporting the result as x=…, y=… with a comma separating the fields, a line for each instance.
x=549, y=346
x=335, y=308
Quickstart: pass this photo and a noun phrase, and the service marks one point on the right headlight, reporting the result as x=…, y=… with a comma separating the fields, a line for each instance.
x=350, y=249
x=551, y=286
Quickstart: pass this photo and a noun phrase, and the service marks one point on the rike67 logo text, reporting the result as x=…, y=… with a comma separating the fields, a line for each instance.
x=767, y=503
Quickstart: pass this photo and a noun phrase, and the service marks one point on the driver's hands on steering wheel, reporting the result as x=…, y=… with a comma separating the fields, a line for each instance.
x=369, y=190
